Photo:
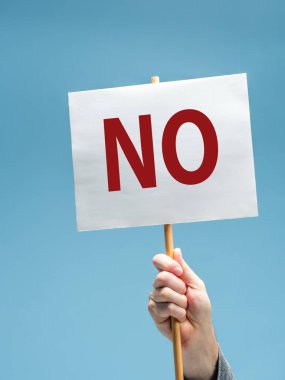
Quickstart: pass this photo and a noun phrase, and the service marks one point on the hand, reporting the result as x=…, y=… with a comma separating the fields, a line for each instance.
x=180, y=293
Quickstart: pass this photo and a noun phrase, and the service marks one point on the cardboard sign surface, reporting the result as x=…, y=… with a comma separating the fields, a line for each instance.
x=163, y=153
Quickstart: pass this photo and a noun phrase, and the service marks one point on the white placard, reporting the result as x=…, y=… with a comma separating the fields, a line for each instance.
x=146, y=198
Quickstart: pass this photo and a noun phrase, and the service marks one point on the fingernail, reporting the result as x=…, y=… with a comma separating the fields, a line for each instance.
x=178, y=251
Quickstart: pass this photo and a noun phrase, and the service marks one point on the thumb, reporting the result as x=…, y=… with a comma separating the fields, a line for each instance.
x=188, y=276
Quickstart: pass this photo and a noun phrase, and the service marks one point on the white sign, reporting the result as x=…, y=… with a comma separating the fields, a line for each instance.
x=163, y=153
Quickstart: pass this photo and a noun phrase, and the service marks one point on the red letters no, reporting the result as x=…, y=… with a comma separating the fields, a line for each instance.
x=144, y=169
x=171, y=160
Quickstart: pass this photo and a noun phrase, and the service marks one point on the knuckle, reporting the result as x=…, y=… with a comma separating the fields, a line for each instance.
x=171, y=308
x=184, y=300
x=162, y=276
x=150, y=306
x=182, y=312
x=157, y=280
x=165, y=293
x=182, y=288
x=182, y=315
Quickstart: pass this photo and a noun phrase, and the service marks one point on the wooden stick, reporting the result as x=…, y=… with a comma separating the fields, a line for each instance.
x=175, y=325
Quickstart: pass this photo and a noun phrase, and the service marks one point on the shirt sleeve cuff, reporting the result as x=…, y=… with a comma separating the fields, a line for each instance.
x=224, y=369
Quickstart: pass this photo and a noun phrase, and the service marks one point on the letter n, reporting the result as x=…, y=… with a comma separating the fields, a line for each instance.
x=144, y=169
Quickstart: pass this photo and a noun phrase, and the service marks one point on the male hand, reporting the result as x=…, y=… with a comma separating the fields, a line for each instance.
x=180, y=293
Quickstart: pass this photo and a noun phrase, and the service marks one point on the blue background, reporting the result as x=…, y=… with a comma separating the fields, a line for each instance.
x=74, y=305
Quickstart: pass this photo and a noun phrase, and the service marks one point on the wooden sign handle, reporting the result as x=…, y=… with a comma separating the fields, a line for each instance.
x=175, y=325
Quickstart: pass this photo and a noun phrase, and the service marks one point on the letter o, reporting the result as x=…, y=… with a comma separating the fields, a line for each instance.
x=169, y=151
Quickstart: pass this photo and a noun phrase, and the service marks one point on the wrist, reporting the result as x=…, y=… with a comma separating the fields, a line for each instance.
x=200, y=356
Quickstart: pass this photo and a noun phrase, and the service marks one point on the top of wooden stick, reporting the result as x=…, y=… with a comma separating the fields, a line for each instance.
x=154, y=79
